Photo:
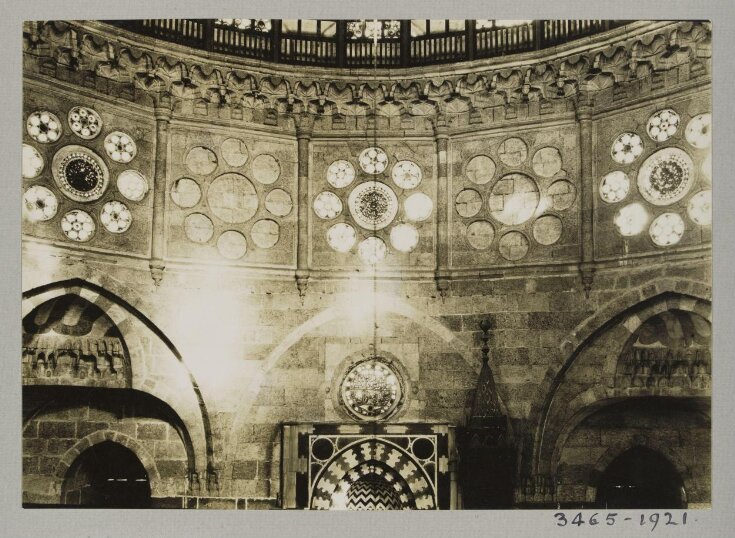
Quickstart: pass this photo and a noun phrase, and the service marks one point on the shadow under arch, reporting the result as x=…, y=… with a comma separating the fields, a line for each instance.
x=74, y=286
x=651, y=299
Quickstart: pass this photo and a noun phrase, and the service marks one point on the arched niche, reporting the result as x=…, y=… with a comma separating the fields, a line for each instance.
x=106, y=475
x=671, y=350
x=678, y=429
x=640, y=478
x=69, y=340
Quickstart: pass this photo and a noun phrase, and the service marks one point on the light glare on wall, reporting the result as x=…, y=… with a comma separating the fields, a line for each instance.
x=631, y=220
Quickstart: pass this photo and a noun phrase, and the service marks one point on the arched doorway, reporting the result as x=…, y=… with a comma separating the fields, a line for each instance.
x=640, y=478
x=107, y=475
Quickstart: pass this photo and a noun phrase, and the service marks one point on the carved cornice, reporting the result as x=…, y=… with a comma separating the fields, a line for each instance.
x=648, y=56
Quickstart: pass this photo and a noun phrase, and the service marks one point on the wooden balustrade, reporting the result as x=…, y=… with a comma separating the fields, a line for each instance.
x=338, y=51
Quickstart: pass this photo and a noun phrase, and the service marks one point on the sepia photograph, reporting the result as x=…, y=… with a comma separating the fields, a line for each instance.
x=367, y=264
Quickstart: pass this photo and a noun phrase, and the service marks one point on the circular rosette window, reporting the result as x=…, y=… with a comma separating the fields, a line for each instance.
x=80, y=174
x=667, y=229
x=614, y=187
x=626, y=148
x=85, y=122
x=406, y=174
x=132, y=185
x=372, y=250
x=327, y=205
x=78, y=225
x=44, y=127
x=699, y=131
x=666, y=176
x=373, y=205
x=120, y=147
x=404, y=237
x=700, y=208
x=663, y=125
x=340, y=174
x=115, y=217
x=32, y=162
x=371, y=390
x=40, y=203
x=373, y=160
x=341, y=237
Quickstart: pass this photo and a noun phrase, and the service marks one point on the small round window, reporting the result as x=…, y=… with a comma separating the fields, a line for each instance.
x=371, y=389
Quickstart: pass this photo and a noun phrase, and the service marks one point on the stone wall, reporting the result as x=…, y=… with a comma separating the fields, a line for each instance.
x=222, y=336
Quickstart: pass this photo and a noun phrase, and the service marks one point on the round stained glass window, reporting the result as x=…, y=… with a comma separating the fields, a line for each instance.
x=40, y=203
x=371, y=390
x=341, y=237
x=115, y=217
x=406, y=174
x=373, y=160
x=614, y=187
x=663, y=125
x=631, y=219
x=700, y=208
x=80, y=173
x=418, y=207
x=327, y=205
x=85, y=122
x=699, y=131
x=43, y=127
x=667, y=229
x=666, y=176
x=78, y=225
x=120, y=147
x=132, y=185
x=340, y=174
x=373, y=205
x=404, y=237
x=372, y=250
x=32, y=163
x=626, y=148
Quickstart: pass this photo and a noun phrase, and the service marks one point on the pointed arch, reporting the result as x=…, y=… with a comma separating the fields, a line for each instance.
x=629, y=310
x=125, y=315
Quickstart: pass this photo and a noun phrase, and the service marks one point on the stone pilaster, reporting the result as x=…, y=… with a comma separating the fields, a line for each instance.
x=162, y=113
x=584, y=118
x=442, y=213
x=304, y=128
